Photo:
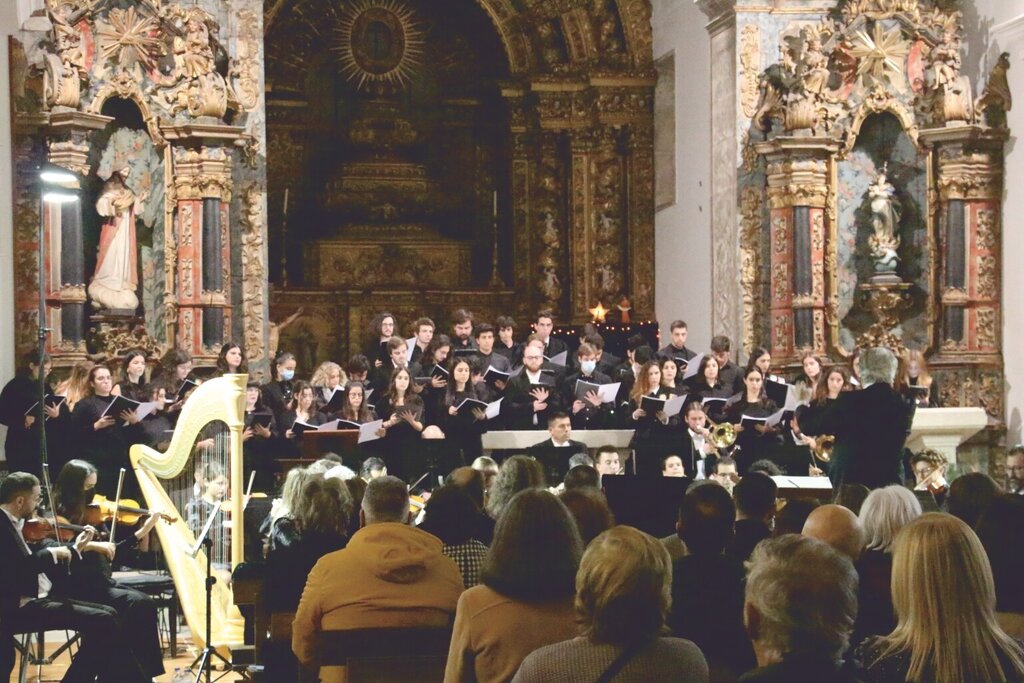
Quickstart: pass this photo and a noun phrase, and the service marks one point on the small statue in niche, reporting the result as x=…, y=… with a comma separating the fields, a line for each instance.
x=116, y=278
x=885, y=221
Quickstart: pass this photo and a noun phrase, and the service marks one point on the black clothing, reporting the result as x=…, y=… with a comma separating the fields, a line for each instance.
x=513, y=353
x=652, y=440
x=871, y=427
x=517, y=408
x=555, y=459
x=893, y=668
x=670, y=351
x=932, y=401
x=259, y=454
x=797, y=668
x=401, y=444
x=707, y=608
x=730, y=376
x=749, y=532
x=291, y=558
x=107, y=448
x=590, y=416
x=276, y=396
x=21, y=445
x=461, y=432
x=875, y=615
x=555, y=347
x=753, y=445
x=286, y=421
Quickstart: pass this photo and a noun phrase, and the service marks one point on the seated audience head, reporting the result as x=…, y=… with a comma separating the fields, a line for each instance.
x=386, y=500
x=607, y=461
x=706, y=519
x=970, y=495
x=884, y=513
x=578, y=459
x=1015, y=469
x=373, y=468
x=518, y=473
x=589, y=508
x=755, y=497
x=559, y=426
x=291, y=490
x=877, y=365
x=487, y=468
x=449, y=515
x=324, y=506
x=928, y=465
x=999, y=531
x=470, y=481
x=851, y=496
x=801, y=599
x=538, y=526
x=838, y=527
x=765, y=466
x=672, y=466
x=793, y=515
x=623, y=588
x=944, y=599
x=582, y=477
x=341, y=473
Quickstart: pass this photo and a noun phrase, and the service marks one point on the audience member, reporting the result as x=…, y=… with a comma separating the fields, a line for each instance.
x=488, y=468
x=999, y=530
x=838, y=527
x=450, y=515
x=793, y=515
x=589, y=508
x=944, y=597
x=884, y=513
x=969, y=496
x=582, y=477
x=389, y=575
x=766, y=466
x=472, y=482
x=707, y=584
x=755, y=508
x=801, y=602
x=516, y=474
x=623, y=592
x=1015, y=470
x=525, y=597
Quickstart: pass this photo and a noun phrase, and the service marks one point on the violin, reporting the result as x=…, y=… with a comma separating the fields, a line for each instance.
x=102, y=510
x=37, y=529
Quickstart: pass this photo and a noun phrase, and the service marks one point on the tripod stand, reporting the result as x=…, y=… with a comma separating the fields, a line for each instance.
x=205, y=658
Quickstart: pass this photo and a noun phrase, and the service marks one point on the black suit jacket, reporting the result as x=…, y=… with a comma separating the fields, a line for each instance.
x=19, y=569
x=590, y=417
x=517, y=408
x=555, y=460
x=555, y=347
x=871, y=428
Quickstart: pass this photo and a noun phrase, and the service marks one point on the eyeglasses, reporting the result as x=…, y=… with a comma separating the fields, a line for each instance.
x=1014, y=469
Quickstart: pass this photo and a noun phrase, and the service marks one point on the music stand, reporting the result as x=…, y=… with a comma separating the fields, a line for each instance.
x=205, y=658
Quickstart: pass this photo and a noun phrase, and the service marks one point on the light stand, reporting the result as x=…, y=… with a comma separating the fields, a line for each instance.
x=57, y=186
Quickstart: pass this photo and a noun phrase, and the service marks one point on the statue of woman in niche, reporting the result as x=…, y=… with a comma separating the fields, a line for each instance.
x=885, y=220
x=116, y=278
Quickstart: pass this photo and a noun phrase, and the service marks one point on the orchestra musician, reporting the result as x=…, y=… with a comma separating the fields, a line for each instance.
x=90, y=577
x=702, y=453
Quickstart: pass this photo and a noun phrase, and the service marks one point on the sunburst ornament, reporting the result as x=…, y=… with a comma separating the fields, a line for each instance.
x=882, y=55
x=378, y=41
x=128, y=38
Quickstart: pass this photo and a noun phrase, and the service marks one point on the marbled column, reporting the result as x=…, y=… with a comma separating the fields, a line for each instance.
x=72, y=277
x=798, y=189
x=969, y=180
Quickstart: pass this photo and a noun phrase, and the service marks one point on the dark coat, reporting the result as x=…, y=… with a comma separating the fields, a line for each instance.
x=555, y=460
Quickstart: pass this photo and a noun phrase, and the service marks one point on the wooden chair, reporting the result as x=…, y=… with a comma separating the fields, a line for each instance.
x=384, y=655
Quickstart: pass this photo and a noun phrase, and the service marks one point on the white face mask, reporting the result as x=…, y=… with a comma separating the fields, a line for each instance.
x=287, y=375
x=588, y=366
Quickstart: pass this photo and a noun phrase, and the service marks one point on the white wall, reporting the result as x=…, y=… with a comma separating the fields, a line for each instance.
x=992, y=27
x=683, y=231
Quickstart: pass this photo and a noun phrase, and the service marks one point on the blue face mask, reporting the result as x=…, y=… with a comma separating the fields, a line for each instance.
x=588, y=366
x=287, y=375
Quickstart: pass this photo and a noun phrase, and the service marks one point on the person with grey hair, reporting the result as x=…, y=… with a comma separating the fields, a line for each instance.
x=800, y=607
x=870, y=426
x=885, y=511
x=390, y=574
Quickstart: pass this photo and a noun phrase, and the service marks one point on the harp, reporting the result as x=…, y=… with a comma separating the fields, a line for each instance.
x=207, y=441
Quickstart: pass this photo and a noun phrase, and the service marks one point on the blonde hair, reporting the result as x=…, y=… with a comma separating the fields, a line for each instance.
x=623, y=587
x=323, y=371
x=884, y=512
x=924, y=378
x=944, y=596
x=76, y=386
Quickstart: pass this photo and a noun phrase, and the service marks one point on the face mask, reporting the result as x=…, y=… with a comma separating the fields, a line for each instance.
x=588, y=366
x=287, y=375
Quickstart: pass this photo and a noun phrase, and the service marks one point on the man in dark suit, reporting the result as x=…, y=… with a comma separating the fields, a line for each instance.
x=755, y=507
x=25, y=607
x=554, y=452
x=545, y=323
x=870, y=426
x=531, y=395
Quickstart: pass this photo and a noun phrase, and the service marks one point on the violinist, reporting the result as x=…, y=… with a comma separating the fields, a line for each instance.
x=27, y=604
x=90, y=576
x=930, y=474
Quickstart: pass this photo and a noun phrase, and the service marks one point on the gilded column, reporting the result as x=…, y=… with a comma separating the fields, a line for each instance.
x=968, y=177
x=583, y=150
x=798, y=190
x=640, y=212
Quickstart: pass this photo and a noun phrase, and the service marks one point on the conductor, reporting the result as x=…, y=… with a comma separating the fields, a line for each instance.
x=870, y=426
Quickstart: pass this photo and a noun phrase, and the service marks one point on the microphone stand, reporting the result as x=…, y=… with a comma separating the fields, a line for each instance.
x=205, y=658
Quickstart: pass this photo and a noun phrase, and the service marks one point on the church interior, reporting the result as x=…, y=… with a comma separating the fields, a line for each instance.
x=805, y=178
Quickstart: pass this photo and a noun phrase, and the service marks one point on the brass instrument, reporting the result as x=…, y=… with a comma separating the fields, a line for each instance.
x=823, y=446
x=721, y=435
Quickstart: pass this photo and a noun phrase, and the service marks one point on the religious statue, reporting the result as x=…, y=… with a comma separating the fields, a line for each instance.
x=116, y=278
x=885, y=221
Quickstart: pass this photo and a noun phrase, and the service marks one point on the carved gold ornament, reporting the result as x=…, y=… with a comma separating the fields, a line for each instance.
x=881, y=54
x=378, y=42
x=129, y=38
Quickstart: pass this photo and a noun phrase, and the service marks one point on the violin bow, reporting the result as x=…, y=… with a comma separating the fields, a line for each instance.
x=117, y=506
x=248, y=489
x=53, y=503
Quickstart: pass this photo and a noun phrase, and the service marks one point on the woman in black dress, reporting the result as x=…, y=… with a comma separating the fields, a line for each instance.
x=259, y=441
x=103, y=440
x=656, y=434
x=402, y=412
x=304, y=411
x=133, y=374
x=17, y=398
x=755, y=440
x=461, y=431
x=278, y=393
x=706, y=385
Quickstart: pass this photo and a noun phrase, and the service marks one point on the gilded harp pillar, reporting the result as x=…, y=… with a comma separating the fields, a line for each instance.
x=202, y=183
x=798, y=189
x=968, y=180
